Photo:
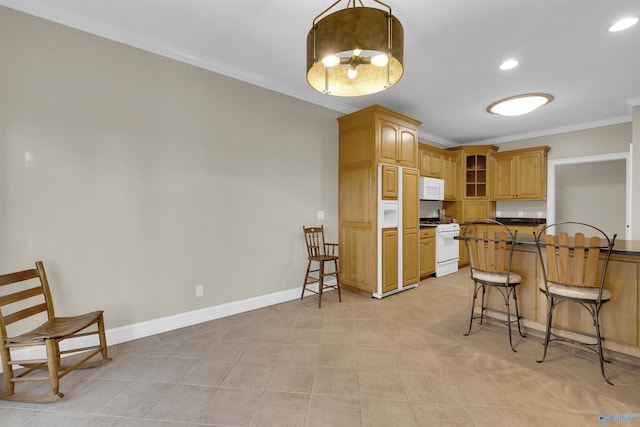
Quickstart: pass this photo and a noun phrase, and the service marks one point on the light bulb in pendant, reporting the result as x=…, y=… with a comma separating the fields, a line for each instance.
x=380, y=60
x=330, y=61
x=353, y=72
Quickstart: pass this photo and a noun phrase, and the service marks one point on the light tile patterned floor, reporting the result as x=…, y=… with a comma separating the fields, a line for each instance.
x=400, y=361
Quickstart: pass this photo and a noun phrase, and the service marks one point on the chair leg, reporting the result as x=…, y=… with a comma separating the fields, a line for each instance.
x=506, y=301
x=484, y=291
x=599, y=340
x=335, y=263
x=473, y=305
x=547, y=335
x=320, y=283
x=52, y=366
x=7, y=370
x=103, y=338
x=306, y=278
x=515, y=299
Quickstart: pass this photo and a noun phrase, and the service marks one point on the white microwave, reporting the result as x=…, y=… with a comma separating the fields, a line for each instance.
x=431, y=189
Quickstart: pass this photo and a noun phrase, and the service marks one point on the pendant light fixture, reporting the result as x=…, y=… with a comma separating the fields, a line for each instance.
x=355, y=51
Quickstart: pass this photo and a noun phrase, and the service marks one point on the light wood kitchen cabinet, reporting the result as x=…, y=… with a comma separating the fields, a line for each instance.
x=389, y=259
x=521, y=230
x=450, y=175
x=427, y=251
x=521, y=174
x=431, y=161
x=474, y=181
x=410, y=227
x=374, y=144
x=389, y=182
x=476, y=171
x=440, y=163
x=476, y=176
x=467, y=211
x=398, y=142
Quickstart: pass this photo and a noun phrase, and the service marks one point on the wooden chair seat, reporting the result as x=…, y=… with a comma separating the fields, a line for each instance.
x=57, y=328
x=86, y=334
x=575, y=292
x=491, y=277
x=323, y=258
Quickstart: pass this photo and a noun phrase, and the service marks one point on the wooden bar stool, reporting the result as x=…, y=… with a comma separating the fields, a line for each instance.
x=574, y=257
x=490, y=246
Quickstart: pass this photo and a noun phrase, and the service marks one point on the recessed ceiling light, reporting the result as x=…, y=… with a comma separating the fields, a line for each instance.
x=623, y=24
x=519, y=104
x=509, y=64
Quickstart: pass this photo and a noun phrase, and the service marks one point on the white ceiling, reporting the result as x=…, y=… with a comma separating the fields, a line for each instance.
x=452, y=52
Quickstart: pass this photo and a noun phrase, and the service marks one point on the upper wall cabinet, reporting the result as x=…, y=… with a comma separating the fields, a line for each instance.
x=398, y=141
x=440, y=163
x=521, y=174
x=430, y=161
x=378, y=135
x=450, y=162
x=476, y=171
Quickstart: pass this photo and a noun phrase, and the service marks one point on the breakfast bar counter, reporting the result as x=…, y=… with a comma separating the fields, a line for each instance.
x=619, y=318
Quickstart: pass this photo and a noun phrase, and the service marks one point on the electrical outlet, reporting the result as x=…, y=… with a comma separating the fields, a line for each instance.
x=520, y=214
x=199, y=291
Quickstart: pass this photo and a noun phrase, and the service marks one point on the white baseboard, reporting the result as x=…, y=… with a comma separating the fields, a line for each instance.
x=165, y=324
x=177, y=321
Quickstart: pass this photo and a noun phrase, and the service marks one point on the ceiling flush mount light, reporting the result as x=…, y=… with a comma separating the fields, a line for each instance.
x=355, y=51
x=623, y=24
x=509, y=64
x=519, y=104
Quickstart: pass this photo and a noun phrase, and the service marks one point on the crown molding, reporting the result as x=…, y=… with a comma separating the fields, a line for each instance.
x=554, y=131
x=437, y=139
x=633, y=102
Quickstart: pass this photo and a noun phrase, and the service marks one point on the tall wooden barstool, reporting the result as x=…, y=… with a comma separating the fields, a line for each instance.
x=320, y=253
x=574, y=257
x=490, y=247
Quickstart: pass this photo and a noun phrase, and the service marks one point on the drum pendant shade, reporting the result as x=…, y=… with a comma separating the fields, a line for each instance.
x=355, y=51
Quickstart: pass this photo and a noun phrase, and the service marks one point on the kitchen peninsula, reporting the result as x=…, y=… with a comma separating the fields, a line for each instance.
x=620, y=318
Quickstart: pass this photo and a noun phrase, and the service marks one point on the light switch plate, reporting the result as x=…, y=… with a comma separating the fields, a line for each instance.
x=320, y=215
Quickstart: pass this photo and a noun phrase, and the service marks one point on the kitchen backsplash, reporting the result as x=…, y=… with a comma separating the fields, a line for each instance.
x=509, y=209
x=522, y=209
x=429, y=208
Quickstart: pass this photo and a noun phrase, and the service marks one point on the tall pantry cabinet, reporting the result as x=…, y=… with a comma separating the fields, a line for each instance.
x=378, y=170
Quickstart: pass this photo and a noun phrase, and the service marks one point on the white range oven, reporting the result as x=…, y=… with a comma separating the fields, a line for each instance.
x=447, y=249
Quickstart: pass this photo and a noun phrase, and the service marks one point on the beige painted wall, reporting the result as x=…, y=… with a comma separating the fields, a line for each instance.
x=135, y=177
x=587, y=142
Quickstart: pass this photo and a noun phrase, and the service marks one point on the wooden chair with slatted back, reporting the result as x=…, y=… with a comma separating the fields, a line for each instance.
x=25, y=298
x=490, y=247
x=574, y=257
x=320, y=253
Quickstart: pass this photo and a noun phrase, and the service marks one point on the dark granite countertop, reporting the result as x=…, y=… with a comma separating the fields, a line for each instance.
x=521, y=221
x=621, y=247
